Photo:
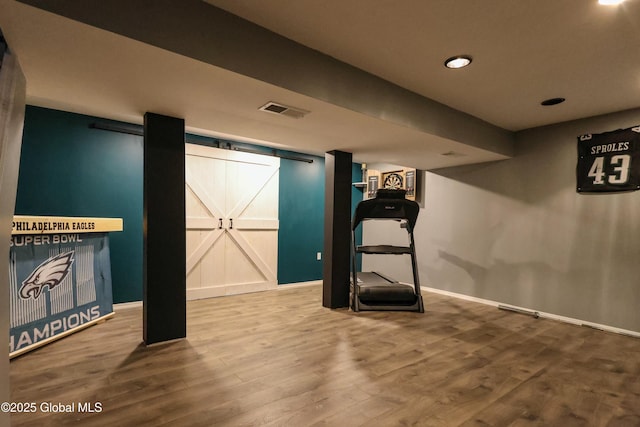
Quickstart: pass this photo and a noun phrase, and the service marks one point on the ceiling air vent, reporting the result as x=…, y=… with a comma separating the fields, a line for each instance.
x=453, y=154
x=283, y=110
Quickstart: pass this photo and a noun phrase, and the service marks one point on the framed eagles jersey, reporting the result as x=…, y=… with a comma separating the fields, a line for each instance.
x=609, y=161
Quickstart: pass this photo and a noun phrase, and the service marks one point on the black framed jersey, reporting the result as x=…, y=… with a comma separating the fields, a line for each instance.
x=609, y=161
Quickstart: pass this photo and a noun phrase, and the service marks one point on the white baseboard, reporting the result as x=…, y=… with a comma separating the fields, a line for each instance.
x=571, y=320
x=299, y=284
x=138, y=304
x=226, y=290
x=542, y=314
x=127, y=305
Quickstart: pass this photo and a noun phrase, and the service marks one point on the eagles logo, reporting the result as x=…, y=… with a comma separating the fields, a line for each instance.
x=50, y=273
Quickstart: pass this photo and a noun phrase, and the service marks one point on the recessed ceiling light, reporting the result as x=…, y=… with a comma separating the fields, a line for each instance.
x=552, y=101
x=457, y=61
x=610, y=2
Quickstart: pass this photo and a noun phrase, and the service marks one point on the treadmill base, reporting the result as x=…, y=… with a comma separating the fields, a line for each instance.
x=375, y=291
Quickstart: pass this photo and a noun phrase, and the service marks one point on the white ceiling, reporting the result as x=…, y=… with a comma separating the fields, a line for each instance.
x=524, y=51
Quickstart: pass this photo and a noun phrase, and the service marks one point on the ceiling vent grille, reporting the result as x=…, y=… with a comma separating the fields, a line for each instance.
x=453, y=154
x=283, y=110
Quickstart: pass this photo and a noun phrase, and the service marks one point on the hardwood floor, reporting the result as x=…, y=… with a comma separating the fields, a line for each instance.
x=278, y=358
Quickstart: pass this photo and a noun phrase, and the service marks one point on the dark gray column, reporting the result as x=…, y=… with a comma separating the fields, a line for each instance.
x=164, y=276
x=337, y=229
x=12, y=107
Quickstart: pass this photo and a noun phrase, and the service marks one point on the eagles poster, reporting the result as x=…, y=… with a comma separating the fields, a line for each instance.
x=58, y=282
x=609, y=161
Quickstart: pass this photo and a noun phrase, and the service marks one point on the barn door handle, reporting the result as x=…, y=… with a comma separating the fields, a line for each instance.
x=230, y=223
x=220, y=224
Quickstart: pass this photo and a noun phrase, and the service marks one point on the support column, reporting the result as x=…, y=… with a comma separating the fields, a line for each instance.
x=337, y=229
x=164, y=275
x=12, y=107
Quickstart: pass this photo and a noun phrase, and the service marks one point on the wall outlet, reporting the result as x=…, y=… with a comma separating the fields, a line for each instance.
x=319, y=256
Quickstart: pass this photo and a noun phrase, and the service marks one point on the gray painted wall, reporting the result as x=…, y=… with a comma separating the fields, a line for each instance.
x=516, y=231
x=12, y=106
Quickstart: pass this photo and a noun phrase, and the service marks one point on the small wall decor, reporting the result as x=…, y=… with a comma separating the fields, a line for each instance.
x=404, y=179
x=609, y=161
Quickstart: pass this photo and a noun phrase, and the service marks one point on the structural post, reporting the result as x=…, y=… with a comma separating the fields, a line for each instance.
x=12, y=109
x=164, y=275
x=337, y=229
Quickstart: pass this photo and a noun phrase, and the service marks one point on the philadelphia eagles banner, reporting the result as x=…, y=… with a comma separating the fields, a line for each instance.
x=609, y=161
x=58, y=282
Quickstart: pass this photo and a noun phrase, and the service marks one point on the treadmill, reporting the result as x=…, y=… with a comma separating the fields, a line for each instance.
x=373, y=290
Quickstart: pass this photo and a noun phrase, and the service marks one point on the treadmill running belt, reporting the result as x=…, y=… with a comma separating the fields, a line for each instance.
x=376, y=288
x=395, y=293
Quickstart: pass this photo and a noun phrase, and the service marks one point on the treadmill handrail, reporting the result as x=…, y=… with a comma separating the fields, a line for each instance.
x=383, y=249
x=397, y=209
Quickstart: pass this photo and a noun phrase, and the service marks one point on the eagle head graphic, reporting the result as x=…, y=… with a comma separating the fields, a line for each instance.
x=50, y=273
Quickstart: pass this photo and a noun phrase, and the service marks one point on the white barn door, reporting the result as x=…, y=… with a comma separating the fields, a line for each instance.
x=232, y=221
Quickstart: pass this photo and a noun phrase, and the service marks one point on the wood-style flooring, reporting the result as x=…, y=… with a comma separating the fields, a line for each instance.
x=278, y=358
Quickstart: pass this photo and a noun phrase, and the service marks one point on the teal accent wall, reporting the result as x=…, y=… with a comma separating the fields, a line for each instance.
x=301, y=212
x=356, y=197
x=70, y=169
